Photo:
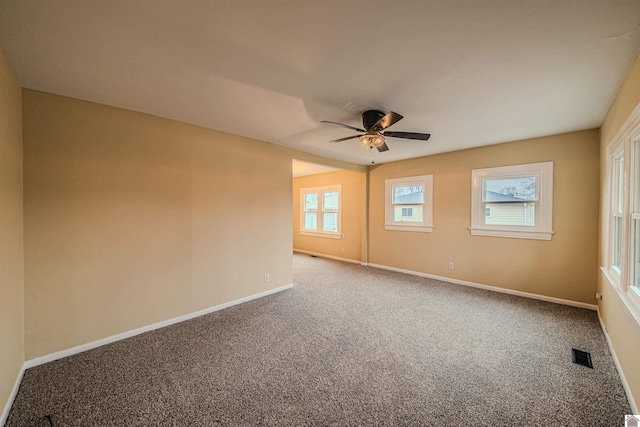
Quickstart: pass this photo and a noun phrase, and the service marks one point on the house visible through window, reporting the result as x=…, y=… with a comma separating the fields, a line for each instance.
x=408, y=204
x=516, y=201
x=320, y=211
x=407, y=213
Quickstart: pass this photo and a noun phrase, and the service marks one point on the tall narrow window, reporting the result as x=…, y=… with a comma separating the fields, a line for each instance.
x=617, y=205
x=320, y=211
x=622, y=215
x=513, y=201
x=408, y=203
x=635, y=219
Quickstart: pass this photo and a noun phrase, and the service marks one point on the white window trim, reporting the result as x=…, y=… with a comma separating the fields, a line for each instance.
x=320, y=191
x=426, y=226
x=620, y=281
x=544, y=206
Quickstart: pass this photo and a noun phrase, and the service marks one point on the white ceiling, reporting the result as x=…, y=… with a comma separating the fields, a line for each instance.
x=469, y=72
x=300, y=168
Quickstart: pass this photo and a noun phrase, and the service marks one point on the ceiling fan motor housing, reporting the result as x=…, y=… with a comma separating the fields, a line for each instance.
x=370, y=118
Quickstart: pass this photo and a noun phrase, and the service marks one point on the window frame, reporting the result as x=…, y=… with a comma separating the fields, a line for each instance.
x=625, y=145
x=426, y=225
x=321, y=191
x=543, y=230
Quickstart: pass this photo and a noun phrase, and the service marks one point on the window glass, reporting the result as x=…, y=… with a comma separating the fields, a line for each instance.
x=617, y=243
x=408, y=195
x=404, y=214
x=513, y=201
x=330, y=202
x=510, y=189
x=320, y=211
x=636, y=253
x=311, y=202
x=515, y=214
x=330, y=222
x=310, y=221
x=408, y=204
x=616, y=212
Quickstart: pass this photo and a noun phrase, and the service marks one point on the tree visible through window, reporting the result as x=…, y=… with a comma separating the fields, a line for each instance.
x=408, y=203
x=513, y=201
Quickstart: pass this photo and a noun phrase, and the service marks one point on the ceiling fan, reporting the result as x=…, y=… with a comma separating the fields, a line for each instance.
x=374, y=123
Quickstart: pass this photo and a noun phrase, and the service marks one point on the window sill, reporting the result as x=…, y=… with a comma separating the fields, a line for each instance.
x=629, y=301
x=512, y=234
x=321, y=234
x=414, y=228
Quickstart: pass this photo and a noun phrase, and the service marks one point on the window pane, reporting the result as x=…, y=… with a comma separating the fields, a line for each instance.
x=515, y=214
x=330, y=222
x=635, y=201
x=618, y=185
x=311, y=202
x=408, y=195
x=617, y=242
x=636, y=253
x=407, y=214
x=310, y=221
x=330, y=202
x=510, y=189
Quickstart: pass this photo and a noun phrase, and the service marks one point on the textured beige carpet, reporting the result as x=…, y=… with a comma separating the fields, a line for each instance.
x=349, y=345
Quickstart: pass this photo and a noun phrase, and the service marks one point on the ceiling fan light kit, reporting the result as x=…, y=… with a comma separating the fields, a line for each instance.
x=374, y=123
x=372, y=140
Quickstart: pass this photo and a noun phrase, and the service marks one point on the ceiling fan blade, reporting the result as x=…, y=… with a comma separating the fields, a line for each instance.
x=345, y=138
x=408, y=135
x=327, y=122
x=386, y=121
x=383, y=147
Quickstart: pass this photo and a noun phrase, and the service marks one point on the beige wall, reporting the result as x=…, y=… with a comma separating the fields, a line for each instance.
x=623, y=330
x=564, y=267
x=353, y=215
x=11, y=243
x=132, y=219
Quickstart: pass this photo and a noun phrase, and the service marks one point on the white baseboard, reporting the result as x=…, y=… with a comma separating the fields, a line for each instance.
x=12, y=397
x=490, y=288
x=327, y=256
x=94, y=344
x=625, y=384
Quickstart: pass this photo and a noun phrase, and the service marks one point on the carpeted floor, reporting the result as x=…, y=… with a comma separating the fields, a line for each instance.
x=349, y=345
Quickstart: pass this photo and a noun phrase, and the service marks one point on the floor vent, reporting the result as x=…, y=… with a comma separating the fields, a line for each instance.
x=580, y=357
x=313, y=256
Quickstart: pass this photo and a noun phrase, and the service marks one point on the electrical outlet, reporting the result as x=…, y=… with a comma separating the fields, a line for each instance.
x=266, y=277
x=342, y=250
x=450, y=266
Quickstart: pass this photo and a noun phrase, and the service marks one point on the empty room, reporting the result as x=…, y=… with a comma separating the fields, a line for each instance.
x=286, y=212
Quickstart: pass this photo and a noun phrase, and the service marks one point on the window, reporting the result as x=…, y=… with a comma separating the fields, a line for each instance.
x=513, y=201
x=622, y=219
x=617, y=193
x=320, y=211
x=408, y=203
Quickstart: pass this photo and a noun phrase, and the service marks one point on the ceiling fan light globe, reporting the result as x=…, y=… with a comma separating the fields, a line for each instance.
x=372, y=140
